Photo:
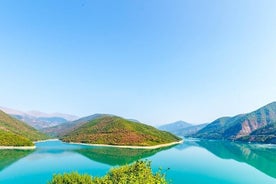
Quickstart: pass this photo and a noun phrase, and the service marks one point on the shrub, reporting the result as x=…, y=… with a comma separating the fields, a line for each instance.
x=136, y=173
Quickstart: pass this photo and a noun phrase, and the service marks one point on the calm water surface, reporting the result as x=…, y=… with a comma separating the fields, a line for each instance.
x=193, y=161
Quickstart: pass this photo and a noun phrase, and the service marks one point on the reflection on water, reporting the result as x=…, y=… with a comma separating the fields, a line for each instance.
x=262, y=157
x=189, y=160
x=7, y=157
x=117, y=156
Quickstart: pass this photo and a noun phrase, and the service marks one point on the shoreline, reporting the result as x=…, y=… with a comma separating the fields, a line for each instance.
x=46, y=140
x=131, y=147
x=25, y=147
x=17, y=147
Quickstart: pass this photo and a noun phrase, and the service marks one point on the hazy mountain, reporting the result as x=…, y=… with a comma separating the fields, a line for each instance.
x=16, y=133
x=188, y=131
x=172, y=127
x=38, y=114
x=182, y=128
x=114, y=130
x=241, y=127
x=38, y=119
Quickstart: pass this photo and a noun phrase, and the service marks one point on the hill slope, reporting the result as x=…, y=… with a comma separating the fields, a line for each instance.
x=62, y=129
x=113, y=130
x=266, y=134
x=234, y=128
x=14, y=132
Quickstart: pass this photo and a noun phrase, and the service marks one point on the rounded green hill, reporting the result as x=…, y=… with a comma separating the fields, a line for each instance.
x=113, y=130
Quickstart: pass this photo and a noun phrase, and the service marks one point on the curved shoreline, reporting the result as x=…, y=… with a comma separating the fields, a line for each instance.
x=46, y=140
x=17, y=147
x=131, y=147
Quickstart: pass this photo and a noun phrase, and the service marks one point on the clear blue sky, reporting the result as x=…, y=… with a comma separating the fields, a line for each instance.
x=157, y=61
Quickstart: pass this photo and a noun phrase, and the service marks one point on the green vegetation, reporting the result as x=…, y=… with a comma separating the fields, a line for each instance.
x=113, y=130
x=65, y=128
x=139, y=172
x=10, y=139
x=16, y=133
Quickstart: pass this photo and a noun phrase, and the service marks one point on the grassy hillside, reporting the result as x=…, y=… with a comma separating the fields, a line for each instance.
x=241, y=126
x=8, y=138
x=63, y=129
x=16, y=133
x=114, y=130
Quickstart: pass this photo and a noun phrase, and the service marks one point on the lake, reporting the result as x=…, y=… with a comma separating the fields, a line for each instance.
x=194, y=161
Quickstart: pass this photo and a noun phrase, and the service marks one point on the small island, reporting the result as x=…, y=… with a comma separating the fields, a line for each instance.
x=115, y=131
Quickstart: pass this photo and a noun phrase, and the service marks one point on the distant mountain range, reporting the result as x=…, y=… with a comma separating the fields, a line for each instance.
x=257, y=126
x=171, y=127
x=182, y=128
x=39, y=120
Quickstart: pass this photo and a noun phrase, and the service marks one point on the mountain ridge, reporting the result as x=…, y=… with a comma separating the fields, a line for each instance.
x=240, y=126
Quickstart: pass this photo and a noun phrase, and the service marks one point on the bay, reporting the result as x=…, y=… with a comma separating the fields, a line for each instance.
x=194, y=161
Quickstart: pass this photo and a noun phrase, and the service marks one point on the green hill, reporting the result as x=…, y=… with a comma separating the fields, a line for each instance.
x=113, y=130
x=16, y=133
x=63, y=129
x=243, y=127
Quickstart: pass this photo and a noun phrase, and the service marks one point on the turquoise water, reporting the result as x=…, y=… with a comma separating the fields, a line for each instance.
x=191, y=162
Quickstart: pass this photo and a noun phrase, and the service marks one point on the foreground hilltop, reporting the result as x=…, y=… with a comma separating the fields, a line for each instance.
x=114, y=130
x=16, y=133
